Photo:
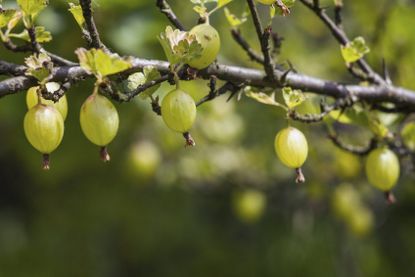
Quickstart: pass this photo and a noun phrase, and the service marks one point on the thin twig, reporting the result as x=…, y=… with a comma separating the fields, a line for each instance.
x=95, y=40
x=236, y=34
x=342, y=38
x=166, y=10
x=263, y=37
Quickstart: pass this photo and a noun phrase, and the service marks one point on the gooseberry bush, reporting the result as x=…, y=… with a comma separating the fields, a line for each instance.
x=372, y=101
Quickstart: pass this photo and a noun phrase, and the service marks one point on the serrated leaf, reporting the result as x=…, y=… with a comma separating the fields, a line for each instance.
x=38, y=66
x=262, y=97
x=354, y=50
x=6, y=16
x=293, y=98
x=140, y=78
x=233, y=20
x=179, y=46
x=42, y=35
x=32, y=7
x=76, y=11
x=101, y=64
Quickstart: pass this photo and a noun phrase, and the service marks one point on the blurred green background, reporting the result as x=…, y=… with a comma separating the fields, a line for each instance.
x=227, y=207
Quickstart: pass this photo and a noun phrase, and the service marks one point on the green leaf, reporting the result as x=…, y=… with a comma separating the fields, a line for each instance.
x=233, y=20
x=293, y=98
x=354, y=50
x=101, y=64
x=376, y=125
x=201, y=10
x=408, y=135
x=179, y=46
x=42, y=35
x=76, y=11
x=262, y=97
x=6, y=16
x=32, y=7
x=222, y=3
x=39, y=66
x=140, y=78
x=14, y=20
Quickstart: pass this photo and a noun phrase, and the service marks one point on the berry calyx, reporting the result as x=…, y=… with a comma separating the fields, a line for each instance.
x=99, y=122
x=209, y=38
x=44, y=129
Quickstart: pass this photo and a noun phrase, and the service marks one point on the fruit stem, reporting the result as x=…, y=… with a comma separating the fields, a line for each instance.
x=46, y=162
x=300, y=176
x=390, y=198
x=105, y=156
x=189, y=140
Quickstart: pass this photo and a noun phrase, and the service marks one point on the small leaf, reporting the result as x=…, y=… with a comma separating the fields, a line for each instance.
x=140, y=78
x=262, y=97
x=101, y=64
x=42, y=35
x=6, y=16
x=222, y=3
x=408, y=135
x=14, y=20
x=293, y=98
x=354, y=50
x=376, y=126
x=39, y=66
x=233, y=20
x=179, y=46
x=76, y=11
x=32, y=7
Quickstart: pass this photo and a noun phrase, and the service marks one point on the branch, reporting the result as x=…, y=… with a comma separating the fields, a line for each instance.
x=263, y=37
x=166, y=9
x=253, y=77
x=7, y=68
x=94, y=41
x=342, y=38
x=236, y=34
x=361, y=151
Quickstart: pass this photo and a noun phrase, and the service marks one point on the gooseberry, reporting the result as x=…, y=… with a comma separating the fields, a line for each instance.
x=44, y=128
x=178, y=110
x=292, y=149
x=209, y=38
x=99, y=122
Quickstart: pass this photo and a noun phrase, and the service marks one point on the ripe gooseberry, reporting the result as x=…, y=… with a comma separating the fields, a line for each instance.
x=382, y=170
x=209, y=38
x=44, y=128
x=178, y=110
x=292, y=149
x=32, y=100
x=99, y=122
